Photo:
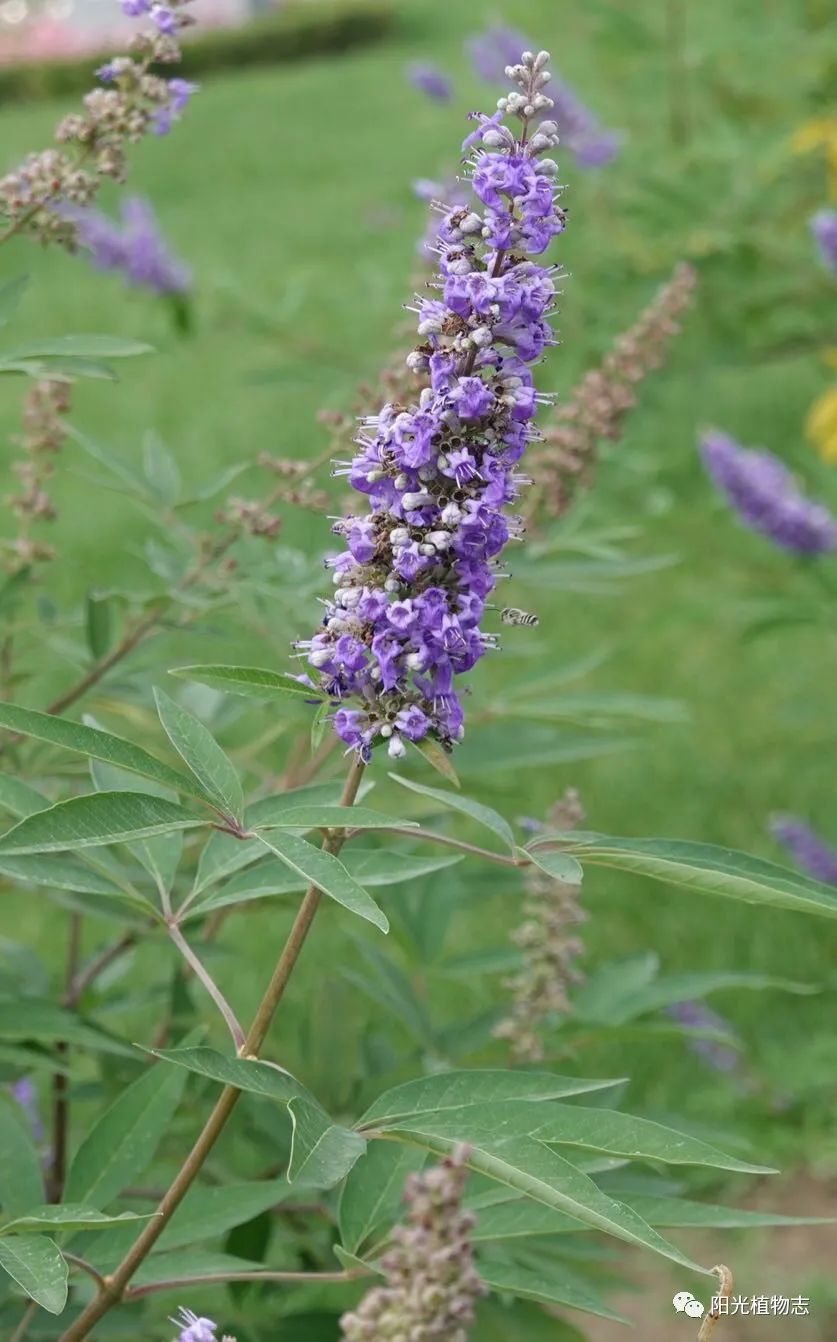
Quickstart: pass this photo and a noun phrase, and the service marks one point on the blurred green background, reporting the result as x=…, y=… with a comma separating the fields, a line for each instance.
x=289, y=191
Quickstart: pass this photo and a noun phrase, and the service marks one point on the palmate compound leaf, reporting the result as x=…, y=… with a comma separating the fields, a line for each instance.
x=705, y=867
x=326, y=872
x=94, y=820
x=483, y=815
x=537, y=1171
x=120, y=1146
x=458, y=1090
x=34, y=1262
x=97, y=744
x=605, y=1131
x=203, y=756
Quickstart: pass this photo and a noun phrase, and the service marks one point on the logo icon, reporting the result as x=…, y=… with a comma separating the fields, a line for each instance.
x=684, y=1302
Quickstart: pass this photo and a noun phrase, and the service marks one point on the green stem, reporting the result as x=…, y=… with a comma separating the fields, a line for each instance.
x=115, y=1285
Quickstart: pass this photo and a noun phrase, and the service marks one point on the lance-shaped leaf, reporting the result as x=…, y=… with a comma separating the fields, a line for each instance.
x=200, y=751
x=678, y=1212
x=67, y=1216
x=91, y=821
x=34, y=1262
x=45, y=1021
x=539, y=1172
x=373, y=1194
x=120, y=1146
x=21, y=1183
x=19, y=799
x=256, y=1076
x=191, y=1265
x=457, y=1090
x=604, y=1130
x=705, y=867
x=333, y=817
x=60, y=872
x=251, y=682
x=82, y=347
x=327, y=873
x=96, y=744
x=322, y=1152
x=561, y=866
x=607, y=1000
x=475, y=809
x=555, y=1285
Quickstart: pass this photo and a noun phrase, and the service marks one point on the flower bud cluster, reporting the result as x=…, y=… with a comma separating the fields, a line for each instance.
x=596, y=410
x=419, y=565
x=540, y=989
x=44, y=433
x=42, y=196
x=432, y=1284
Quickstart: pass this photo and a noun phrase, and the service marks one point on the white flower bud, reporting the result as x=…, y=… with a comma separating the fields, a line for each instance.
x=493, y=139
x=413, y=500
x=548, y=167
x=482, y=336
x=428, y=550
x=416, y=362
x=320, y=656
x=396, y=748
x=541, y=101
x=548, y=128
x=400, y=481
x=414, y=661
x=429, y=326
x=451, y=514
x=386, y=730
x=399, y=536
x=472, y=223
x=541, y=60
x=439, y=539
x=392, y=585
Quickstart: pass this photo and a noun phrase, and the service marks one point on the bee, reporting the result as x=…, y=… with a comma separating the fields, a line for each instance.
x=511, y=615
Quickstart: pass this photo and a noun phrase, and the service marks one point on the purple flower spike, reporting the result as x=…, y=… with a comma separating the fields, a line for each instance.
x=810, y=853
x=431, y=80
x=437, y=477
x=136, y=248
x=764, y=494
x=824, y=229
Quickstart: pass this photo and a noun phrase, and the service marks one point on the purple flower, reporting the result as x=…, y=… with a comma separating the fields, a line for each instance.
x=180, y=91
x=592, y=146
x=431, y=80
x=807, y=849
x=697, y=1016
x=824, y=229
x=196, y=1329
x=24, y=1092
x=135, y=8
x=765, y=496
x=410, y=587
x=135, y=248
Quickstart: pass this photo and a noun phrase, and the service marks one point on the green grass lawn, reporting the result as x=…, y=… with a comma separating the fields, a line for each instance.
x=288, y=190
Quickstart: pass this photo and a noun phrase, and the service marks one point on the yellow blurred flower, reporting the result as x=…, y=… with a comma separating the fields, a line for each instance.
x=821, y=425
x=820, y=133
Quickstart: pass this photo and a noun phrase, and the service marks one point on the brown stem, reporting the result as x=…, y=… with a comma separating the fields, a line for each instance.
x=724, y=1292
x=83, y=1266
x=23, y=1327
x=85, y=977
x=61, y=1081
x=218, y=1278
x=115, y=1285
x=134, y=636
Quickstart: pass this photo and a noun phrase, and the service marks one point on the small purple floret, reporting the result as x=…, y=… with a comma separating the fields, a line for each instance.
x=767, y=499
x=824, y=229
x=135, y=248
x=698, y=1016
x=810, y=853
x=432, y=81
